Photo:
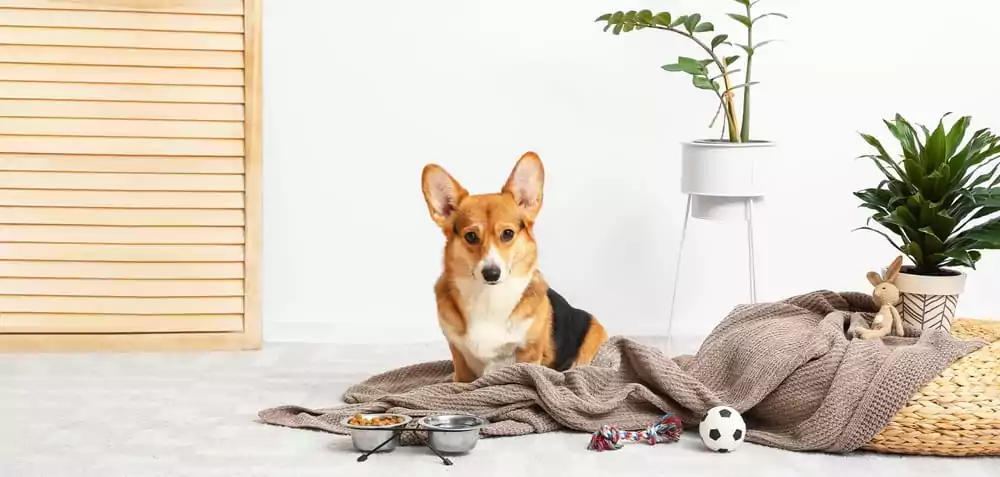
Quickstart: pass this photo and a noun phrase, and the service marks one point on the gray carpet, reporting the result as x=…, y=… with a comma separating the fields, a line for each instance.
x=148, y=415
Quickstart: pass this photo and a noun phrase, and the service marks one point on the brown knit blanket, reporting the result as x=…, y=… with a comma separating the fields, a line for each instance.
x=791, y=367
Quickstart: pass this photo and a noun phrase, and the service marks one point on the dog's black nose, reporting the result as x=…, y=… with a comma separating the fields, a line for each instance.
x=491, y=273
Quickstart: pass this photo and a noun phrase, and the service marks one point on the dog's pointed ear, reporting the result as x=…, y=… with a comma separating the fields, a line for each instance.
x=525, y=184
x=442, y=193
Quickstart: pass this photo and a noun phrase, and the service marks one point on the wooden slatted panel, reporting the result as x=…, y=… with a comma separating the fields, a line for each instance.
x=148, y=217
x=112, y=181
x=120, y=306
x=215, y=7
x=34, y=108
x=122, y=288
x=121, y=146
x=120, y=234
x=121, y=20
x=120, y=199
x=121, y=38
x=121, y=74
x=80, y=323
x=145, y=165
x=119, y=92
x=123, y=270
x=121, y=253
x=123, y=199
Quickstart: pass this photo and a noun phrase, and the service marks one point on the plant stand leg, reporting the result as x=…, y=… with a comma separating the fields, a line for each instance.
x=677, y=275
x=750, y=246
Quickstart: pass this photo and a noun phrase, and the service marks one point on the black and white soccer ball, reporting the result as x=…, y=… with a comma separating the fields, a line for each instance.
x=722, y=429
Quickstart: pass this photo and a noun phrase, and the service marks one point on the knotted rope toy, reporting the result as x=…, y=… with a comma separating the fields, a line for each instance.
x=668, y=428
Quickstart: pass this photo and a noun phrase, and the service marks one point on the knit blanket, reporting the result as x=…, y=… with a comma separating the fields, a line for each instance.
x=792, y=368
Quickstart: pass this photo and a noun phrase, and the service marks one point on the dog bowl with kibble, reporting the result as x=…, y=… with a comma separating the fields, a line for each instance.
x=453, y=433
x=368, y=431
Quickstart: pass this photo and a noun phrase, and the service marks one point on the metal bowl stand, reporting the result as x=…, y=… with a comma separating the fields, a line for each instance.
x=398, y=432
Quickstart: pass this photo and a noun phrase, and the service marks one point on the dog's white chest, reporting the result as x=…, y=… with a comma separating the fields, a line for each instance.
x=492, y=337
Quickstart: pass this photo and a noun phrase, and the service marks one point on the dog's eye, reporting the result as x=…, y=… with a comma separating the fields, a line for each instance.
x=471, y=237
x=507, y=235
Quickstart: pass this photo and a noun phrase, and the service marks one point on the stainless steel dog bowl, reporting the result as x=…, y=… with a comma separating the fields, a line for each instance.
x=453, y=433
x=367, y=438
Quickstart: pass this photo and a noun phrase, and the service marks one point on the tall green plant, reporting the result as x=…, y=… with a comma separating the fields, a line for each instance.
x=940, y=197
x=705, y=73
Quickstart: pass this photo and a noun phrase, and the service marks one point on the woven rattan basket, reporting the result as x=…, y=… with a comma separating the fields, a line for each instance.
x=958, y=412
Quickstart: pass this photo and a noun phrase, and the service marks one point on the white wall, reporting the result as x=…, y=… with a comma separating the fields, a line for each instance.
x=360, y=95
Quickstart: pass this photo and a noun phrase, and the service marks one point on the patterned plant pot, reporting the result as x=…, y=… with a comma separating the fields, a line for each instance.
x=929, y=301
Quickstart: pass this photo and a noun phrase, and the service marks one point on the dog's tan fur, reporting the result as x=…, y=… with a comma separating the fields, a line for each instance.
x=489, y=326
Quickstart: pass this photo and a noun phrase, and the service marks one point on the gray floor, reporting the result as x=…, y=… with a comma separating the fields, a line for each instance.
x=194, y=415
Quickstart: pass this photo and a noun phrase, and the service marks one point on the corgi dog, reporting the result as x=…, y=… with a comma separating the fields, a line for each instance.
x=494, y=306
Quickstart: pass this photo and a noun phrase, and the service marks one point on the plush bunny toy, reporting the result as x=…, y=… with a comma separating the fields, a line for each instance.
x=887, y=320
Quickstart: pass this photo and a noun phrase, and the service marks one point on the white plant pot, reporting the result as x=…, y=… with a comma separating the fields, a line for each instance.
x=929, y=302
x=721, y=176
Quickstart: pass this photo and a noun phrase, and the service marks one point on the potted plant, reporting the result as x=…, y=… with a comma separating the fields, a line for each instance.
x=720, y=174
x=940, y=199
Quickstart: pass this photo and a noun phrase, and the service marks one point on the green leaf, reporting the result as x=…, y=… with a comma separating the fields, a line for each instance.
x=720, y=75
x=644, y=17
x=962, y=257
x=707, y=26
x=758, y=45
x=731, y=59
x=883, y=234
x=692, y=22
x=743, y=2
x=687, y=65
x=672, y=67
x=718, y=40
x=678, y=21
x=603, y=18
x=617, y=29
x=745, y=20
x=702, y=82
x=747, y=49
x=662, y=18
x=780, y=15
x=957, y=133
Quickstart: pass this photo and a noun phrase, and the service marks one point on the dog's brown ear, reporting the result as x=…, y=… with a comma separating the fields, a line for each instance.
x=525, y=184
x=442, y=193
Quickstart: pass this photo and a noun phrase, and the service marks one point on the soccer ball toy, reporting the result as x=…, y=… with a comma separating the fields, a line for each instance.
x=722, y=429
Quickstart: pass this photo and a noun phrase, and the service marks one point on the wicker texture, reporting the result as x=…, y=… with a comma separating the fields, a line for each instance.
x=958, y=412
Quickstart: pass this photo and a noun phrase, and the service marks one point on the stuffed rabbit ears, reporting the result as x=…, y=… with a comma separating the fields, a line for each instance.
x=890, y=273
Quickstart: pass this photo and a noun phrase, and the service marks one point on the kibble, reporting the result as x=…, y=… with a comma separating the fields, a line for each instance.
x=377, y=421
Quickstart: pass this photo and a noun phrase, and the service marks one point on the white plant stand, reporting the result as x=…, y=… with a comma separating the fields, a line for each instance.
x=723, y=182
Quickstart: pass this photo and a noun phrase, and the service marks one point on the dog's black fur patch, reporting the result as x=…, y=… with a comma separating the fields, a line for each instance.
x=569, y=327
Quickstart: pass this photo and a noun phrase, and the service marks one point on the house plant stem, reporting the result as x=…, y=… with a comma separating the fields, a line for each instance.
x=745, y=132
x=725, y=97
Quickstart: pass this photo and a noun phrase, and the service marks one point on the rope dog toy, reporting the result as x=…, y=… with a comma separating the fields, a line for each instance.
x=668, y=428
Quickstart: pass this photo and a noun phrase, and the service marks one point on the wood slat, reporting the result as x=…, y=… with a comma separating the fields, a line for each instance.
x=119, y=288
x=214, y=7
x=81, y=324
x=120, y=110
x=114, y=181
x=40, y=36
x=149, y=217
x=123, y=270
x=65, y=55
x=122, y=74
x=121, y=253
x=122, y=20
x=120, y=128
x=181, y=165
x=121, y=146
x=121, y=306
x=122, y=199
x=120, y=92
x=126, y=342
x=119, y=235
